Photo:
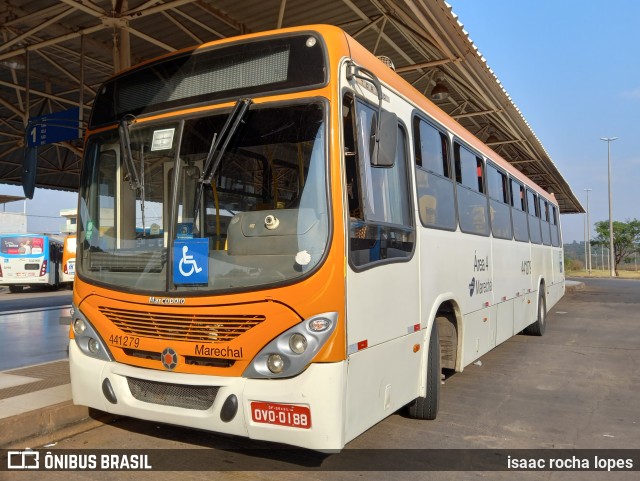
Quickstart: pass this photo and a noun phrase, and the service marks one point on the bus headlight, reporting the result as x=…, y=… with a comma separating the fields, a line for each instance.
x=298, y=343
x=275, y=363
x=87, y=339
x=292, y=351
x=78, y=326
x=93, y=345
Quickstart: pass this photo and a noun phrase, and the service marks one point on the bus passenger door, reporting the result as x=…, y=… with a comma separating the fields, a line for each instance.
x=382, y=276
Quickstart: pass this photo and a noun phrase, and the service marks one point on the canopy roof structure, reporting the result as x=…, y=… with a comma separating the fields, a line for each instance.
x=6, y=199
x=55, y=54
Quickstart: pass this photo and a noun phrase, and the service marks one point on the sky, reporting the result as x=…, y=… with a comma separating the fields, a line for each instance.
x=43, y=211
x=572, y=67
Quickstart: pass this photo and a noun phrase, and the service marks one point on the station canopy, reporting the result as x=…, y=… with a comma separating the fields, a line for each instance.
x=55, y=54
x=6, y=199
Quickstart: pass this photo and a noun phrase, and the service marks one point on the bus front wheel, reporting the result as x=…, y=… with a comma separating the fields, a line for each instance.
x=427, y=407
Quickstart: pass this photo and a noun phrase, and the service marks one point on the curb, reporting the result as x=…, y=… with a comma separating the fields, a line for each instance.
x=37, y=428
x=41, y=422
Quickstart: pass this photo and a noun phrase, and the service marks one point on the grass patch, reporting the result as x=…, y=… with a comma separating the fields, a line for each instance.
x=603, y=273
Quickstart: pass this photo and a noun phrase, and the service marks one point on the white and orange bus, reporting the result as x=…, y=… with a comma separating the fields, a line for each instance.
x=279, y=238
x=68, y=259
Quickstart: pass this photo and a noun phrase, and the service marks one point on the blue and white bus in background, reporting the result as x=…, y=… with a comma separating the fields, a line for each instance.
x=29, y=260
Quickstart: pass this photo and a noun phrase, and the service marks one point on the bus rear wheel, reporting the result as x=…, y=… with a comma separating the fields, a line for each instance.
x=15, y=289
x=427, y=407
x=538, y=327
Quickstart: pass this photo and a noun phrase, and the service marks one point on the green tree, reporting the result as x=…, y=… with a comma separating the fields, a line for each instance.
x=626, y=238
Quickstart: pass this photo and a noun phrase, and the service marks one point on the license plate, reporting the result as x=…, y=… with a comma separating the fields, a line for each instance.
x=291, y=415
x=71, y=267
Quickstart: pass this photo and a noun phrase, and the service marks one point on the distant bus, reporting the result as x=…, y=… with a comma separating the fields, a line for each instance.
x=69, y=259
x=28, y=260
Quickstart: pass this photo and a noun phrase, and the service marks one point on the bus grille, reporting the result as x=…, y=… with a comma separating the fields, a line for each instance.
x=194, y=360
x=176, y=395
x=181, y=326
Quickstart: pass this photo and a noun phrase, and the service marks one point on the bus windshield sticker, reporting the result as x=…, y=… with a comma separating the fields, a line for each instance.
x=185, y=230
x=162, y=139
x=191, y=261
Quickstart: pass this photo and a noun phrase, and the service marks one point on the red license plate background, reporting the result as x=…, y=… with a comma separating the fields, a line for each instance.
x=281, y=414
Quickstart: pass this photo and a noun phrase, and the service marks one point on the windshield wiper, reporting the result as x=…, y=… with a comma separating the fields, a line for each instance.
x=125, y=148
x=219, y=143
x=141, y=189
x=221, y=140
x=136, y=182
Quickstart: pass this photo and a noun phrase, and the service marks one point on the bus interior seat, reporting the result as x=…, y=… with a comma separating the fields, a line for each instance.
x=427, y=205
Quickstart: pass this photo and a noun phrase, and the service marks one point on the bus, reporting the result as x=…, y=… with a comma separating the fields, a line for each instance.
x=279, y=238
x=29, y=260
x=68, y=259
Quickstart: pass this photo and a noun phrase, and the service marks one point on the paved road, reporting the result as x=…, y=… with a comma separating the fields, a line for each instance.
x=30, y=330
x=577, y=387
x=33, y=298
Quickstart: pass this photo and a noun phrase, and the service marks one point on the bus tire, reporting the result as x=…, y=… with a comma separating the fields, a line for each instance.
x=15, y=289
x=538, y=327
x=427, y=407
x=448, y=335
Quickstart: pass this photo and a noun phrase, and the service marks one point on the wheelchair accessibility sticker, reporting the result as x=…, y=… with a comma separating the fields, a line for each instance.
x=191, y=261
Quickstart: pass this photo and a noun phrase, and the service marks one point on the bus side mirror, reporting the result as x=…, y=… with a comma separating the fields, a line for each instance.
x=29, y=164
x=385, y=156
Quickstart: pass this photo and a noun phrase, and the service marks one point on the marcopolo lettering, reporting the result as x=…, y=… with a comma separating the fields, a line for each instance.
x=165, y=301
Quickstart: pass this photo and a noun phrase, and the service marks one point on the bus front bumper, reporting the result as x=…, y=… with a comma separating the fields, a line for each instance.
x=267, y=409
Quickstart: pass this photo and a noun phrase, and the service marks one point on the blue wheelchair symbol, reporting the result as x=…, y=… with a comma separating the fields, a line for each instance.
x=188, y=260
x=191, y=261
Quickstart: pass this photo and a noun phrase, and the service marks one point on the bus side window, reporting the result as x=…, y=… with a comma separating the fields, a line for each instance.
x=498, y=188
x=436, y=204
x=546, y=227
x=472, y=202
x=519, y=212
x=533, y=208
x=555, y=231
x=352, y=174
x=380, y=221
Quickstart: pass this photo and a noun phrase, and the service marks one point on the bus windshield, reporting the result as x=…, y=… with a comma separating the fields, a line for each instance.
x=151, y=220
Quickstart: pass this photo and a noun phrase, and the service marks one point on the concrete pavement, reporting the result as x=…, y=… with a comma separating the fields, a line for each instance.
x=35, y=402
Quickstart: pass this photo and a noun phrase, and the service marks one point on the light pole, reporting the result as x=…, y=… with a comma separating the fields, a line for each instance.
x=586, y=262
x=608, y=140
x=588, y=266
